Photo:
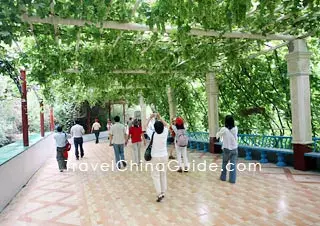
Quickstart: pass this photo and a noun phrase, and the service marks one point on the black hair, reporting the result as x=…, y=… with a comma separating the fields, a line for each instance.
x=158, y=127
x=180, y=126
x=117, y=119
x=229, y=122
x=136, y=123
x=130, y=118
x=77, y=121
x=59, y=128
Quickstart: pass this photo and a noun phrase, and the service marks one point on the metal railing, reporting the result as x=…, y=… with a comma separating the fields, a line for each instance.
x=283, y=142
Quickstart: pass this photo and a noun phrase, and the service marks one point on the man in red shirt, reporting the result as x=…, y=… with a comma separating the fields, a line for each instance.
x=136, y=135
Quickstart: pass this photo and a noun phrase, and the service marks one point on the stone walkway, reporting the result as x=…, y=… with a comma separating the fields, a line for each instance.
x=273, y=196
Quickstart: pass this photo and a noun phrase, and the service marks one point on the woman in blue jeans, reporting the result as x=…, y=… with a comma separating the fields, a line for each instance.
x=229, y=135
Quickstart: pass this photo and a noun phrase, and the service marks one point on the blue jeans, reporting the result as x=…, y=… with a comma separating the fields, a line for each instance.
x=78, y=141
x=119, y=154
x=96, y=133
x=229, y=155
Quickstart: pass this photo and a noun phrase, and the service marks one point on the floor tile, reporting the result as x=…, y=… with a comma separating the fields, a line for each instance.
x=272, y=196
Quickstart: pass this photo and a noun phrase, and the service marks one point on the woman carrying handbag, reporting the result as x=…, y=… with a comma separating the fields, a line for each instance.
x=159, y=155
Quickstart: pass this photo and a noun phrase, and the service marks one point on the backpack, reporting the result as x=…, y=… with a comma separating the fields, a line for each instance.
x=182, y=138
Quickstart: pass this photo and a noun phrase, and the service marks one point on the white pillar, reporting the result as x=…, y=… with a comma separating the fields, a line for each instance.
x=213, y=112
x=298, y=61
x=143, y=114
x=212, y=96
x=172, y=103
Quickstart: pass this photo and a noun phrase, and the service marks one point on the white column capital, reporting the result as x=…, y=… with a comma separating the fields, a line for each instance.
x=298, y=58
x=298, y=45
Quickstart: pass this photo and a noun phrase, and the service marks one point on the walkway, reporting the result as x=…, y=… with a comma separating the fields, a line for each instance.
x=274, y=196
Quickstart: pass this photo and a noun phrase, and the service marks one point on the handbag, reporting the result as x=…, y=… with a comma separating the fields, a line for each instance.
x=65, y=154
x=68, y=146
x=147, y=154
x=66, y=149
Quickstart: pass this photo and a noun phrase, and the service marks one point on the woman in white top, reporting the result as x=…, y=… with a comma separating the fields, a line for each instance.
x=229, y=135
x=159, y=154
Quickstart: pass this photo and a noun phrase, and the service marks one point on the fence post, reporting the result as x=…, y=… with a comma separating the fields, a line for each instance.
x=24, y=109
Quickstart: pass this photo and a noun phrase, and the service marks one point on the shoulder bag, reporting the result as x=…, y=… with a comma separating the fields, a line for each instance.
x=147, y=154
x=67, y=148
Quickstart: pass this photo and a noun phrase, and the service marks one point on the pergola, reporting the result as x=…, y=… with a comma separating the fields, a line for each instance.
x=298, y=63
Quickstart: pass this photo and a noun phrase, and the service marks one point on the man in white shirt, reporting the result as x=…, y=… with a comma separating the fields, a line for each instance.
x=76, y=132
x=118, y=139
x=96, y=129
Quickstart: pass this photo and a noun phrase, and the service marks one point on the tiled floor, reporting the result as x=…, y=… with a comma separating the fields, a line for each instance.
x=273, y=196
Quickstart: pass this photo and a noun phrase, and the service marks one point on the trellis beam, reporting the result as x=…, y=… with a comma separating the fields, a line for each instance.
x=268, y=50
x=54, y=20
x=134, y=71
x=279, y=46
x=130, y=72
x=139, y=71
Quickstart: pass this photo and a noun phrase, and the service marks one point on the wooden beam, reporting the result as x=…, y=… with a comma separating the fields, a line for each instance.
x=142, y=27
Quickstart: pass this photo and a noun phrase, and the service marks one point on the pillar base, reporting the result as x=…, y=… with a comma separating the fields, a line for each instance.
x=300, y=161
x=213, y=148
